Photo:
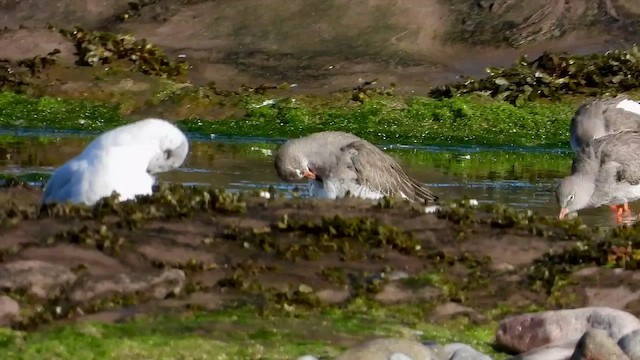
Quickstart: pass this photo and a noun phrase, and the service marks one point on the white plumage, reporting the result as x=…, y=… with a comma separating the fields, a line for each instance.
x=123, y=160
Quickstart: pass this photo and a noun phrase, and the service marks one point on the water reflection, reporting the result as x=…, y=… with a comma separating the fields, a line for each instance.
x=520, y=179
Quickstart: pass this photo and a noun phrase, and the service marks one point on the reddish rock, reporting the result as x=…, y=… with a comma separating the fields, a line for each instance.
x=529, y=331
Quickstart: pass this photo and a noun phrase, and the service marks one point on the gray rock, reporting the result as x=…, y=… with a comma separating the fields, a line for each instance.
x=154, y=286
x=451, y=310
x=37, y=278
x=630, y=344
x=529, y=331
x=395, y=292
x=556, y=351
x=460, y=351
x=9, y=310
x=597, y=345
x=392, y=349
x=307, y=357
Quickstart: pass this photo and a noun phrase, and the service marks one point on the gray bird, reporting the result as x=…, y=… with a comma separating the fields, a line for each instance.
x=338, y=163
x=600, y=117
x=606, y=171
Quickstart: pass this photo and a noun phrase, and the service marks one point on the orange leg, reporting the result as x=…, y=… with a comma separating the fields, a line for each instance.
x=620, y=210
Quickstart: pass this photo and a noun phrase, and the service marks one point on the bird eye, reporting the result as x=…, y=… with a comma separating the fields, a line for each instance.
x=167, y=154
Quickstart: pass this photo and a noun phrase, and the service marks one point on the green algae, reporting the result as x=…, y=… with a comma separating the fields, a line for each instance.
x=380, y=119
x=240, y=333
x=553, y=76
x=416, y=120
x=18, y=111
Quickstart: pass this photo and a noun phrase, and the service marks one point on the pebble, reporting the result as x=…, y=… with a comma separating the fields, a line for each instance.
x=529, y=331
x=630, y=344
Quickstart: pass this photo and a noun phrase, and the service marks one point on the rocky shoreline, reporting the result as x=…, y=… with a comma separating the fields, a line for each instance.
x=191, y=248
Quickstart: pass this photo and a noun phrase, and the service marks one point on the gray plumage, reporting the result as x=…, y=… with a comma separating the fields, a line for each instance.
x=605, y=171
x=344, y=163
x=599, y=117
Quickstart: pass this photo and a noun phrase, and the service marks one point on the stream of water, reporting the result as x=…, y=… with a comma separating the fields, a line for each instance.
x=522, y=179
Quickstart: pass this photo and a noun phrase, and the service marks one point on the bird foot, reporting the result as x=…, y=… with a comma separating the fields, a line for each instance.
x=621, y=209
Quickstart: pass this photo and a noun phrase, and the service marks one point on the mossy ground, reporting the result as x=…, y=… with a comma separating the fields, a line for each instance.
x=381, y=119
x=452, y=254
x=271, y=259
x=240, y=334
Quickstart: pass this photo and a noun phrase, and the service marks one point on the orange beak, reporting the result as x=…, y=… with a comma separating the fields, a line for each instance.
x=563, y=213
x=308, y=174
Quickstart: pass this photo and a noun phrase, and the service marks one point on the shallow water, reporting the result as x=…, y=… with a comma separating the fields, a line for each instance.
x=522, y=179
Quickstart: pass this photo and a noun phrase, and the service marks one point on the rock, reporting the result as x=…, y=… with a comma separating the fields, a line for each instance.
x=459, y=351
x=630, y=344
x=331, y=296
x=597, y=345
x=37, y=278
x=9, y=310
x=529, y=331
x=388, y=349
x=307, y=357
x=452, y=309
x=617, y=297
x=395, y=292
x=399, y=356
x=556, y=351
x=155, y=286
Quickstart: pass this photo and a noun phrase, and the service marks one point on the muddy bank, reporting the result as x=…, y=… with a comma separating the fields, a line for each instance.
x=331, y=45
x=188, y=248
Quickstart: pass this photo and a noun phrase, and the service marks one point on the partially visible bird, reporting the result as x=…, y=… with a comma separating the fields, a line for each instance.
x=599, y=117
x=338, y=163
x=606, y=171
x=124, y=159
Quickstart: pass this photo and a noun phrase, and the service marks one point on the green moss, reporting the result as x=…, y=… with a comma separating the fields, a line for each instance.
x=239, y=334
x=416, y=120
x=380, y=119
x=18, y=111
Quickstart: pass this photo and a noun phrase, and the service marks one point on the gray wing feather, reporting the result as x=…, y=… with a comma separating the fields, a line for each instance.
x=380, y=172
x=621, y=150
x=616, y=119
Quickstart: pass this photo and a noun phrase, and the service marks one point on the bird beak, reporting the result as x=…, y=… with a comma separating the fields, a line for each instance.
x=308, y=174
x=563, y=213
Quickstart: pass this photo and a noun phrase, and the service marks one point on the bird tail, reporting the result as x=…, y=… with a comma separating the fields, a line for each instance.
x=422, y=193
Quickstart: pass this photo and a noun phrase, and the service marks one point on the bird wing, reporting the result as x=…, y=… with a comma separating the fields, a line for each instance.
x=380, y=172
x=66, y=183
x=621, y=150
x=618, y=119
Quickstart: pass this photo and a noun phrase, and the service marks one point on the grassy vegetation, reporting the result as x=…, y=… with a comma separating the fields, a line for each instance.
x=417, y=120
x=470, y=120
x=239, y=334
x=19, y=111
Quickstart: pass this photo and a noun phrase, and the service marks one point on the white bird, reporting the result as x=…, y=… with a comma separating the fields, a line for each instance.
x=124, y=159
